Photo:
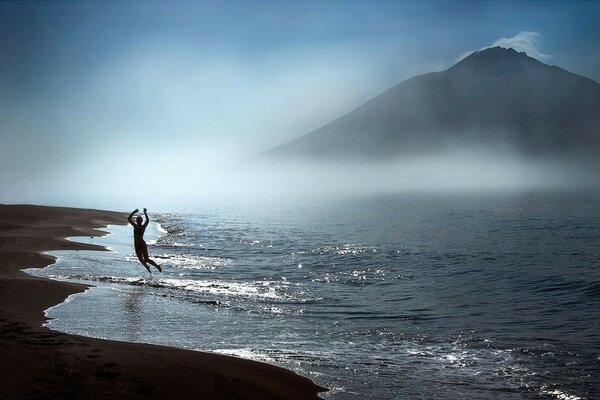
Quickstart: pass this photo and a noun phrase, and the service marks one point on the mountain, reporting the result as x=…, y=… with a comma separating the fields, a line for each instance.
x=493, y=96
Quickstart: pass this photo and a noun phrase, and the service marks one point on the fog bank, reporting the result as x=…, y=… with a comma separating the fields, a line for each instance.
x=457, y=171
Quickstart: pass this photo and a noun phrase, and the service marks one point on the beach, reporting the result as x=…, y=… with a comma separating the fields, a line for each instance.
x=39, y=363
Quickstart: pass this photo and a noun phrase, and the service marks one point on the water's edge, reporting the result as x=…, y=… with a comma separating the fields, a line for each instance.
x=89, y=289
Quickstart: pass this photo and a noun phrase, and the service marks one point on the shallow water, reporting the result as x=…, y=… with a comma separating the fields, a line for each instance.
x=408, y=296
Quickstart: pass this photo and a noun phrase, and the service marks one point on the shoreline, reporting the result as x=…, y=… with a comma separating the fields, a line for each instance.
x=41, y=363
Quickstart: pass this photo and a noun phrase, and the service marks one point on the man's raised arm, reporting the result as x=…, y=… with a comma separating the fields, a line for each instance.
x=131, y=216
x=147, y=218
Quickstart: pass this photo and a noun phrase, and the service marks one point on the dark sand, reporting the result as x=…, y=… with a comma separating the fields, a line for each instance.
x=38, y=363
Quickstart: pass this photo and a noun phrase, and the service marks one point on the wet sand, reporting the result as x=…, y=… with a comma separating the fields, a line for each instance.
x=38, y=363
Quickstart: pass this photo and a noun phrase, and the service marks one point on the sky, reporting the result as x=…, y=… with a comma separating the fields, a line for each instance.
x=106, y=97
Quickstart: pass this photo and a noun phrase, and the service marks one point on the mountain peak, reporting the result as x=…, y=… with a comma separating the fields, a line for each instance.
x=504, y=51
x=496, y=57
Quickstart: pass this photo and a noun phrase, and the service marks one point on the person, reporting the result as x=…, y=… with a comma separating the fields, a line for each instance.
x=141, y=249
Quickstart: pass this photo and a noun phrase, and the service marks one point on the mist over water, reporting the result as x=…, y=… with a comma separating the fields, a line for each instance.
x=165, y=187
x=453, y=170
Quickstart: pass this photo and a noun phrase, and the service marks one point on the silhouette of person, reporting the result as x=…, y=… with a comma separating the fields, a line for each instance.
x=141, y=249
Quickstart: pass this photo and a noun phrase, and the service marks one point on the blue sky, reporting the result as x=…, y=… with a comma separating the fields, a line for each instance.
x=175, y=86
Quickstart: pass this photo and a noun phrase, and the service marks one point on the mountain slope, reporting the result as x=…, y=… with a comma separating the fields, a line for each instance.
x=493, y=96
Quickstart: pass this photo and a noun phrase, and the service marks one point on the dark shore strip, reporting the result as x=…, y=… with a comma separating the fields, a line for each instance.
x=38, y=363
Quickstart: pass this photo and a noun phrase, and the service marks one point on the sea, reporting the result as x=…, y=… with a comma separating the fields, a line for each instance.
x=400, y=296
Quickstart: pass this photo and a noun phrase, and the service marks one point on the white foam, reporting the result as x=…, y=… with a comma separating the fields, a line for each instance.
x=186, y=261
x=247, y=353
x=560, y=395
x=160, y=228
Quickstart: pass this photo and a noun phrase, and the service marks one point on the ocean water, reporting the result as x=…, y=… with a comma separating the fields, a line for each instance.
x=415, y=296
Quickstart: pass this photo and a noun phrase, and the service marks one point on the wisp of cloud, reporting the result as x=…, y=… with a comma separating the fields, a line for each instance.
x=525, y=41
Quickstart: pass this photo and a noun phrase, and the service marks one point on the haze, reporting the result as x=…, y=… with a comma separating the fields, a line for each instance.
x=164, y=101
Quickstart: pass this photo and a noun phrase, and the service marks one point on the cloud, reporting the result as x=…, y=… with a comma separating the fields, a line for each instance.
x=525, y=41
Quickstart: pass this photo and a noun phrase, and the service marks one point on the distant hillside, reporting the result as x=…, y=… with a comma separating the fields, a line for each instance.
x=495, y=95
